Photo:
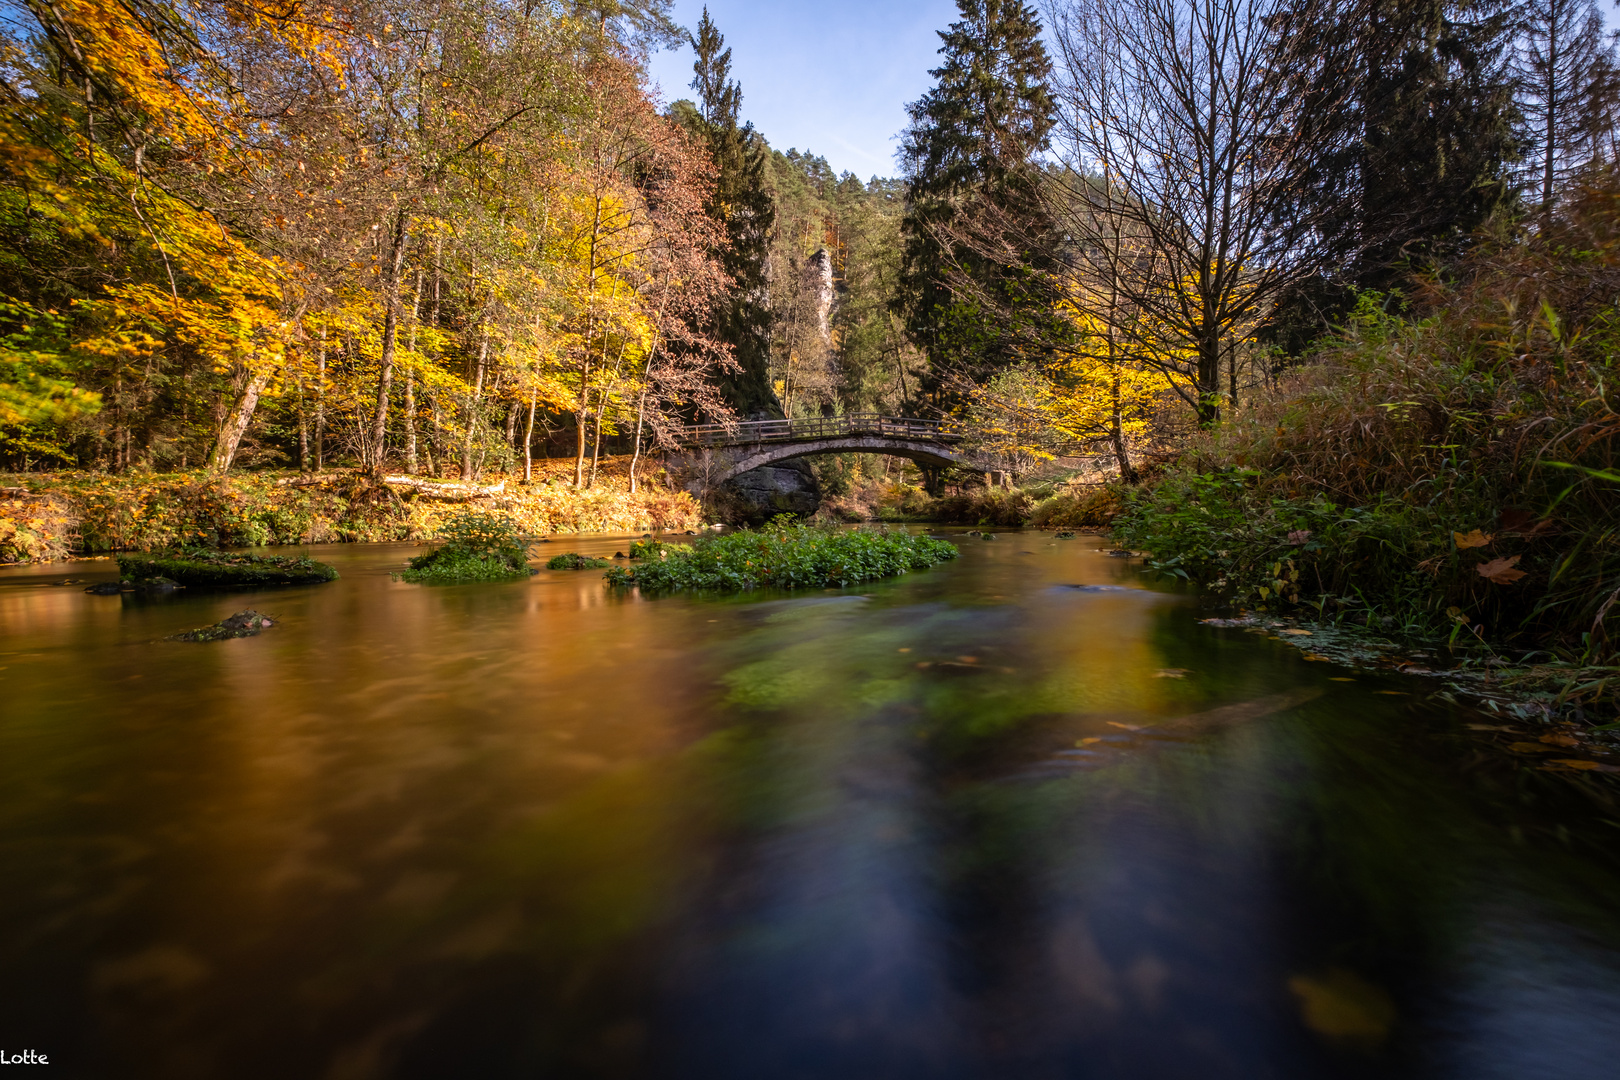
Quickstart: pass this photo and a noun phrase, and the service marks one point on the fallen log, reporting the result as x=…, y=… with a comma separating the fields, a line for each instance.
x=439, y=490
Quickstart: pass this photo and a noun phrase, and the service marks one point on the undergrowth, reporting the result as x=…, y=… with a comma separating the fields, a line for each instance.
x=47, y=516
x=1453, y=472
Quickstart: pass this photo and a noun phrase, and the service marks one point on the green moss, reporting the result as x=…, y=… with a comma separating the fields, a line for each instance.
x=218, y=568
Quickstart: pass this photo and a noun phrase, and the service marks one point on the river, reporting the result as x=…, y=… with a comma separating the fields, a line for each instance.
x=1019, y=816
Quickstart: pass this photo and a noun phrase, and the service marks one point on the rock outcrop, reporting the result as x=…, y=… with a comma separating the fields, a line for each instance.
x=788, y=487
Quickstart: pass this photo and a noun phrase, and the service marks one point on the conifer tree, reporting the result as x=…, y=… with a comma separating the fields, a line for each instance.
x=742, y=203
x=970, y=155
x=1426, y=146
x=1566, y=66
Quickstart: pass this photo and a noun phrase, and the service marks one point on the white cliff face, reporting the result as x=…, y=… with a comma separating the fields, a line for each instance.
x=819, y=272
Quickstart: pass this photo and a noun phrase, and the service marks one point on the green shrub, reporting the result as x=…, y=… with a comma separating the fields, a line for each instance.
x=655, y=549
x=786, y=556
x=574, y=561
x=197, y=566
x=477, y=546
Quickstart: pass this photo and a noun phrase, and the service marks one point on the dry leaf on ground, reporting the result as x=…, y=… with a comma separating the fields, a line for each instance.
x=1501, y=571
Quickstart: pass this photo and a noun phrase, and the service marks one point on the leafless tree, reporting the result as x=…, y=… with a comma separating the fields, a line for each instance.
x=1183, y=135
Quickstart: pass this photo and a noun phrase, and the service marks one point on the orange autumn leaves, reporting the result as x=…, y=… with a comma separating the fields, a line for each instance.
x=1502, y=570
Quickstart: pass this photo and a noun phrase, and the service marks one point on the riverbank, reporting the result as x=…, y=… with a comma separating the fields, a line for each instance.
x=49, y=516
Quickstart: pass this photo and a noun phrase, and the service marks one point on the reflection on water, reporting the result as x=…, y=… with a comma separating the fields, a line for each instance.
x=974, y=822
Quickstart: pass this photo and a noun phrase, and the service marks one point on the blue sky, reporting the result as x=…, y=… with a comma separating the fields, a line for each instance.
x=833, y=77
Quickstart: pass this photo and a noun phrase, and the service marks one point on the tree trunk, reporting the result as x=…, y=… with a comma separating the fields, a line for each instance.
x=303, y=428
x=581, y=421
x=596, y=447
x=528, y=441
x=410, y=382
x=635, y=457
x=237, y=419
x=472, y=412
x=1209, y=380
x=390, y=340
x=320, y=402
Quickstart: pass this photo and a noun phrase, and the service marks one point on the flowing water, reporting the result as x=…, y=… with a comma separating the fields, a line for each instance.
x=1019, y=816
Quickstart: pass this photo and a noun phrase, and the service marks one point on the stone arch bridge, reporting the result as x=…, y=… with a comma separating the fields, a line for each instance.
x=716, y=453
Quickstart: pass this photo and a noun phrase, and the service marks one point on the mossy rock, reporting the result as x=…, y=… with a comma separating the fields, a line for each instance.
x=242, y=624
x=219, y=568
x=575, y=561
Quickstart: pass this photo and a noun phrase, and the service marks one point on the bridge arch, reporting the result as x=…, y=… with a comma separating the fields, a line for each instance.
x=741, y=459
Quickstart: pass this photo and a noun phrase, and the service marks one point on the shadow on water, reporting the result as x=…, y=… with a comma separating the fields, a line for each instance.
x=1016, y=816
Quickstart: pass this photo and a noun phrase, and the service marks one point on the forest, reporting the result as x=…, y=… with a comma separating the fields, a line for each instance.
x=1311, y=300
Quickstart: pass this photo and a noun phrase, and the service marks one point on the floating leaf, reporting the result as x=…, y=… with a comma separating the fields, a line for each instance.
x=1343, y=1006
x=1089, y=740
x=1171, y=673
x=1475, y=539
x=1560, y=740
x=1500, y=571
x=1529, y=748
x=1297, y=633
x=1583, y=765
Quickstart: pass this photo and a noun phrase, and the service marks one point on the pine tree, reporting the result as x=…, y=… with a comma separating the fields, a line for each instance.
x=969, y=157
x=742, y=203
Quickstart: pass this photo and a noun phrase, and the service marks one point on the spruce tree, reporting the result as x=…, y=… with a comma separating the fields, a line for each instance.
x=970, y=160
x=1426, y=148
x=1566, y=66
x=742, y=203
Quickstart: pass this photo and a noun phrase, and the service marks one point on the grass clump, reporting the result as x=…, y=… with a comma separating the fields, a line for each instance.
x=477, y=546
x=785, y=555
x=201, y=567
x=575, y=561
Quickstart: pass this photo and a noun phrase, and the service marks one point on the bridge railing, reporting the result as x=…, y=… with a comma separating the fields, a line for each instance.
x=816, y=427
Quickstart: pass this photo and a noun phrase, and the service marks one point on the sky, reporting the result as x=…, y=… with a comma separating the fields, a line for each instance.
x=831, y=77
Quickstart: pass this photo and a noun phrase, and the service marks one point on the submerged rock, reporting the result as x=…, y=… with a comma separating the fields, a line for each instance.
x=145, y=585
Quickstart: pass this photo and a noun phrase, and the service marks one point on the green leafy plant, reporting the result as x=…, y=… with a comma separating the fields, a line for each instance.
x=785, y=555
x=575, y=561
x=477, y=546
